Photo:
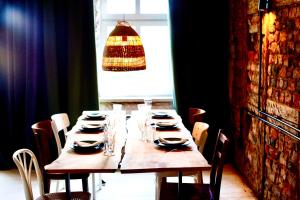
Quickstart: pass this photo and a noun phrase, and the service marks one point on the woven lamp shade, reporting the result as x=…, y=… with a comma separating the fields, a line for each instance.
x=123, y=50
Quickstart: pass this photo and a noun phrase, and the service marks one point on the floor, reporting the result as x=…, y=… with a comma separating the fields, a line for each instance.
x=128, y=186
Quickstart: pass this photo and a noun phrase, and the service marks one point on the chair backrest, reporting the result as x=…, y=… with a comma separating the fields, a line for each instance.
x=200, y=133
x=218, y=163
x=196, y=115
x=27, y=163
x=45, y=142
x=60, y=123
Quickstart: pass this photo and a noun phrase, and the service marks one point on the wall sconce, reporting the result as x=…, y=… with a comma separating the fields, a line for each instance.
x=264, y=5
x=123, y=50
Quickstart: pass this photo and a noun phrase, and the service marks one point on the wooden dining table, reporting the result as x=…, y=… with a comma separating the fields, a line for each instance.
x=131, y=154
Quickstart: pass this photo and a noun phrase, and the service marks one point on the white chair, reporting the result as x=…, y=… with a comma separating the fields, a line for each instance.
x=60, y=124
x=200, y=133
x=27, y=163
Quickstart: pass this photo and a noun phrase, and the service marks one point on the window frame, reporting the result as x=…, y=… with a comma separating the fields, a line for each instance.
x=138, y=19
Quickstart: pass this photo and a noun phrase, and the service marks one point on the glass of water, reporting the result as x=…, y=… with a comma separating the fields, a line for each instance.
x=109, y=140
x=148, y=104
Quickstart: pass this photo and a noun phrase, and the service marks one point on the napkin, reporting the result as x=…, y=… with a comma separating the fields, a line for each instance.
x=87, y=143
x=172, y=140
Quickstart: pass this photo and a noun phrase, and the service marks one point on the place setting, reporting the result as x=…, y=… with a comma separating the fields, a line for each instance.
x=94, y=115
x=161, y=115
x=166, y=125
x=91, y=127
x=87, y=146
x=172, y=142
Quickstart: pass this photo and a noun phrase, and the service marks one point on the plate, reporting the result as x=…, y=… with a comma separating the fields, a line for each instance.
x=166, y=128
x=161, y=115
x=158, y=143
x=91, y=127
x=172, y=140
x=95, y=116
x=166, y=123
x=87, y=149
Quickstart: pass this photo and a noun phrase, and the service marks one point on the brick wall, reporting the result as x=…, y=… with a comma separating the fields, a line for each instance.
x=280, y=95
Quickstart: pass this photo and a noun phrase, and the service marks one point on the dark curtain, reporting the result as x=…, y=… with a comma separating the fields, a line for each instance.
x=47, y=66
x=199, y=39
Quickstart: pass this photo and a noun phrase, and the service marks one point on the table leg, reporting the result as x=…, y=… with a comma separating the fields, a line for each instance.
x=179, y=184
x=68, y=189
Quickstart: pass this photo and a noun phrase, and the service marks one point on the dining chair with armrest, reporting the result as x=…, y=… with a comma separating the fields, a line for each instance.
x=27, y=163
x=46, y=148
x=209, y=191
x=200, y=133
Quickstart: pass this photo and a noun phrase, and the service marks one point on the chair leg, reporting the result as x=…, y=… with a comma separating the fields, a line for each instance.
x=158, y=182
x=85, y=185
x=47, y=183
x=100, y=181
x=93, y=186
x=198, y=178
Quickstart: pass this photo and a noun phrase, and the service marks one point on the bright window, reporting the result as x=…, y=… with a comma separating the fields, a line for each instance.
x=150, y=19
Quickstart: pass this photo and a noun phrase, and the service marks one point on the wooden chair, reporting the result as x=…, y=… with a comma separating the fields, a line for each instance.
x=47, y=152
x=195, y=115
x=209, y=191
x=27, y=163
x=60, y=126
x=200, y=133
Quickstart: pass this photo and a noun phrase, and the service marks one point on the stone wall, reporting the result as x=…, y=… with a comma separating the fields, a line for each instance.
x=268, y=159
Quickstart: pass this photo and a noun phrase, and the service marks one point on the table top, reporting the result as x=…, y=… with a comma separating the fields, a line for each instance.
x=132, y=155
x=71, y=162
x=149, y=157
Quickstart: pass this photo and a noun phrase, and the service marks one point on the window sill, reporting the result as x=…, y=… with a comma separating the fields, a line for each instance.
x=135, y=99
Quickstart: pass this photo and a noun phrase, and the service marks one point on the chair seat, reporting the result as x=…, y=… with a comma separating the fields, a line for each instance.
x=63, y=196
x=189, y=191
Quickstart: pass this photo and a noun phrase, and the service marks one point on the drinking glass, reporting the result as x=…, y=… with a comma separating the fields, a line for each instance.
x=150, y=133
x=109, y=140
x=141, y=107
x=148, y=104
x=118, y=116
x=141, y=121
x=117, y=106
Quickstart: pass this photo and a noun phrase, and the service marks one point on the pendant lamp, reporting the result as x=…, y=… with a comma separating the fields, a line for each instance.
x=123, y=50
